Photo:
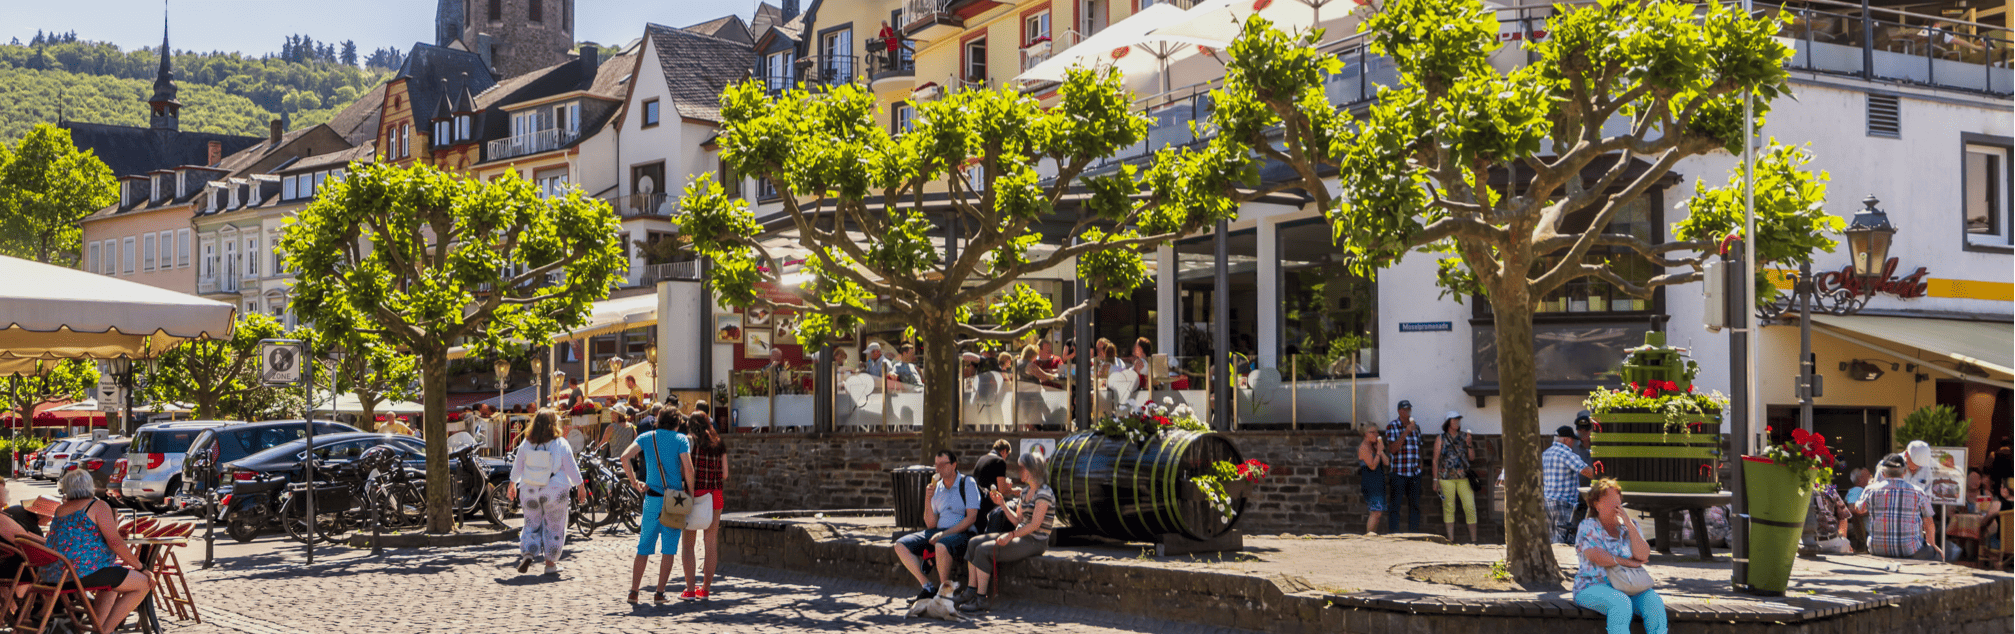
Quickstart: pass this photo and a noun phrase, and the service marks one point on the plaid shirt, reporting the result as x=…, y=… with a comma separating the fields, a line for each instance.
x=1561, y=471
x=1406, y=446
x=1896, y=513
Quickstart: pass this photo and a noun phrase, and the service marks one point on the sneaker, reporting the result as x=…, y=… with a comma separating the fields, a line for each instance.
x=553, y=569
x=524, y=564
x=979, y=603
x=926, y=593
x=702, y=594
x=965, y=595
x=689, y=595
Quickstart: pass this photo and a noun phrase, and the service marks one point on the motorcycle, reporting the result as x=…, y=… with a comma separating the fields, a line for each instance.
x=473, y=491
x=251, y=507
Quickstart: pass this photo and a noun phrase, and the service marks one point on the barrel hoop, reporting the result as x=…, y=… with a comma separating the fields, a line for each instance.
x=1668, y=451
x=1084, y=473
x=1669, y=487
x=1668, y=439
x=1172, y=501
x=1118, y=508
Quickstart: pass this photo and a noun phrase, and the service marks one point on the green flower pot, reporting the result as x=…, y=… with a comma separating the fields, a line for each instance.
x=1778, y=500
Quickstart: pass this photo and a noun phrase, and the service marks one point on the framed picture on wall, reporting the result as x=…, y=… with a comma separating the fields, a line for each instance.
x=756, y=343
x=786, y=331
x=759, y=315
x=728, y=328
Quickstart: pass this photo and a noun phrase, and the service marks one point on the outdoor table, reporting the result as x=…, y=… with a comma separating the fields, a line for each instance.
x=1662, y=505
x=149, y=550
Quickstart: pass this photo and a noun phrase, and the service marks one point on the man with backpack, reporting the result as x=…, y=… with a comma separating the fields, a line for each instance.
x=952, y=506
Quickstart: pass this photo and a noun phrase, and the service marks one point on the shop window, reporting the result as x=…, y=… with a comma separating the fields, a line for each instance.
x=1328, y=316
x=1988, y=198
x=1196, y=284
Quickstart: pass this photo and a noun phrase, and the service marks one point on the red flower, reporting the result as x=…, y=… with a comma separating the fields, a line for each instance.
x=1650, y=392
x=1689, y=389
x=1633, y=386
x=1668, y=386
x=1799, y=436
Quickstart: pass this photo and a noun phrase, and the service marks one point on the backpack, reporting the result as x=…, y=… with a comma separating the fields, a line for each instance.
x=538, y=464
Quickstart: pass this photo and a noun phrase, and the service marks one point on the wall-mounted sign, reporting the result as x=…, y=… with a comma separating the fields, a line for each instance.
x=1426, y=326
x=1909, y=286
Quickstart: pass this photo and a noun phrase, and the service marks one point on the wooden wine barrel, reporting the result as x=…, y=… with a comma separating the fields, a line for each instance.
x=1635, y=447
x=1139, y=492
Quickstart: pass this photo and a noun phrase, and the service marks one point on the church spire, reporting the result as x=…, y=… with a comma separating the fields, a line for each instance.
x=166, y=111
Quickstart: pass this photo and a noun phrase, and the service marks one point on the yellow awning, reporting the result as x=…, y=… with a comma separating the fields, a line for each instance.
x=1989, y=345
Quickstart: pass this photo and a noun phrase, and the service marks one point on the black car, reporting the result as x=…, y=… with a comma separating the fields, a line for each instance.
x=234, y=442
x=336, y=449
x=99, y=458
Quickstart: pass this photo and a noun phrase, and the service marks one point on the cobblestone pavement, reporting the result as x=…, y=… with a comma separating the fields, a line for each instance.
x=476, y=589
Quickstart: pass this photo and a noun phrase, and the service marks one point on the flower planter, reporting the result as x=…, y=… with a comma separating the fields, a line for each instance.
x=1141, y=491
x=1778, y=500
x=1636, y=447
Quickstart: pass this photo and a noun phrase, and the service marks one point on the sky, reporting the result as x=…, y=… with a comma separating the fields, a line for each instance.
x=257, y=27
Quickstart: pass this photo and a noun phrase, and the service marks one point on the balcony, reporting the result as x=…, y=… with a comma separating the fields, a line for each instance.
x=542, y=141
x=1042, y=50
x=814, y=73
x=890, y=70
x=931, y=19
x=1896, y=47
x=656, y=204
x=687, y=271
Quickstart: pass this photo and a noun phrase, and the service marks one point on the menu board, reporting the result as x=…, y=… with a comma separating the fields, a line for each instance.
x=1948, y=476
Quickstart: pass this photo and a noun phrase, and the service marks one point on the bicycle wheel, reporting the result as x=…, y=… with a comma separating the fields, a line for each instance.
x=594, y=513
x=295, y=521
x=495, y=507
x=631, y=508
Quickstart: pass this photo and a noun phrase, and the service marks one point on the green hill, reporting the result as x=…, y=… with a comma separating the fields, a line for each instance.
x=228, y=93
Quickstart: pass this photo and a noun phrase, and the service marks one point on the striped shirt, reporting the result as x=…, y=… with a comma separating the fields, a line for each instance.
x=1896, y=513
x=1029, y=498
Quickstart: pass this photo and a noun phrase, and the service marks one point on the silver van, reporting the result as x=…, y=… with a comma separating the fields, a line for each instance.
x=154, y=462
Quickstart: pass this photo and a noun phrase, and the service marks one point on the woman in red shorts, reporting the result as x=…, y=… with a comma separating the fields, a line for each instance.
x=710, y=475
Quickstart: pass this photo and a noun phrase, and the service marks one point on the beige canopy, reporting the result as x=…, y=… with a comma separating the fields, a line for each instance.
x=51, y=312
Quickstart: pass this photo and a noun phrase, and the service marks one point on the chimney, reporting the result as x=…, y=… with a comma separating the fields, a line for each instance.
x=273, y=131
x=216, y=154
x=591, y=59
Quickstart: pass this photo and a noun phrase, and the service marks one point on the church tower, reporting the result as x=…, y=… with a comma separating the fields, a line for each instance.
x=449, y=19
x=165, y=111
x=514, y=36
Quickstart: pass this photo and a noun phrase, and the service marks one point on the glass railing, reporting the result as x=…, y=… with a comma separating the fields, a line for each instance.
x=1899, y=47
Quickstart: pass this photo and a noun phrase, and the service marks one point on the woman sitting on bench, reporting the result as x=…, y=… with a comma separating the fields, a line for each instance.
x=1032, y=517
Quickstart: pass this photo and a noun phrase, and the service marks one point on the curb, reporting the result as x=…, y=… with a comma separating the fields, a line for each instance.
x=423, y=540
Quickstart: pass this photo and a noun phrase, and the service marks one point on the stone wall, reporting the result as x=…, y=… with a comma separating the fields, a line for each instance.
x=517, y=44
x=1313, y=488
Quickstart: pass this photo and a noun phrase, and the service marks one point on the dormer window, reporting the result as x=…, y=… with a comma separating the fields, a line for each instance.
x=462, y=127
x=441, y=135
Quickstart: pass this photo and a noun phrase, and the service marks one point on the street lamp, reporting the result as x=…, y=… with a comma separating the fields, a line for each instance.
x=503, y=369
x=1868, y=239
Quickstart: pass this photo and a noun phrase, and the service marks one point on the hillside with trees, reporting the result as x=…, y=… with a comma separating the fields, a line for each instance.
x=59, y=75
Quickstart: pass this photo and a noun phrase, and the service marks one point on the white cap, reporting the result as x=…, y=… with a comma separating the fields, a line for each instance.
x=875, y=346
x=1452, y=414
x=1920, y=452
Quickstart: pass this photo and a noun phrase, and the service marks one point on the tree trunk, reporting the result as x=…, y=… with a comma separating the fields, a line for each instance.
x=1528, y=543
x=941, y=386
x=368, y=420
x=434, y=386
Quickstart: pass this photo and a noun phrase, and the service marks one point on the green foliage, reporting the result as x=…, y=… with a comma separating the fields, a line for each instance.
x=1790, y=212
x=47, y=381
x=226, y=93
x=219, y=376
x=1936, y=425
x=46, y=187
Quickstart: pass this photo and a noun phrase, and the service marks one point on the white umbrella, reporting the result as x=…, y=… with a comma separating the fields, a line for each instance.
x=1133, y=46
x=1223, y=19
x=51, y=312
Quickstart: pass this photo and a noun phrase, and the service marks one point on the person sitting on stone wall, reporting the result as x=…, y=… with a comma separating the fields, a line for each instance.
x=1899, y=516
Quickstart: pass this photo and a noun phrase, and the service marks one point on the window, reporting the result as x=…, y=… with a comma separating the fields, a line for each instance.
x=899, y=117
x=1987, y=195
x=147, y=252
x=568, y=117
x=166, y=257
x=731, y=183
x=975, y=60
x=524, y=124
x=251, y=306
x=462, y=127
x=650, y=113
x=208, y=267
x=231, y=265
x=181, y=248
x=779, y=73
x=765, y=189
x=552, y=182
x=538, y=13
x=405, y=140
x=837, y=50
x=91, y=260
x=441, y=135
x=251, y=257
x=126, y=255
x=288, y=188
x=496, y=11
x=1034, y=28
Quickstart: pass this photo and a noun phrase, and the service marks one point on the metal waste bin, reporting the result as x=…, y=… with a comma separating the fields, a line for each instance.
x=907, y=485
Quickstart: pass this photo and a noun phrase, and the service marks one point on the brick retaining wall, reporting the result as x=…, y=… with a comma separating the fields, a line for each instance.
x=1313, y=488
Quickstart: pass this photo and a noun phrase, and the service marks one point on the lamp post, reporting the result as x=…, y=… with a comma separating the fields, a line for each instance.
x=122, y=368
x=1868, y=238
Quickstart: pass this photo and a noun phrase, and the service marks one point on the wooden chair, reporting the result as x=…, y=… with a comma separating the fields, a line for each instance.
x=1998, y=558
x=67, y=592
x=8, y=550
x=168, y=579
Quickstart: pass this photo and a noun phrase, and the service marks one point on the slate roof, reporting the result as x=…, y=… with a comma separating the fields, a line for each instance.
x=727, y=28
x=767, y=15
x=433, y=71
x=134, y=150
x=238, y=161
x=333, y=159
x=698, y=67
x=565, y=77
x=359, y=122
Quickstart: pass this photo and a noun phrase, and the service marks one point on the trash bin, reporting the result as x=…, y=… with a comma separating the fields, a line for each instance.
x=907, y=485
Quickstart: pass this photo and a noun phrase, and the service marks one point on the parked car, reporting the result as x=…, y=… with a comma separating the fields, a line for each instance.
x=57, y=455
x=342, y=448
x=153, y=475
x=100, y=459
x=229, y=443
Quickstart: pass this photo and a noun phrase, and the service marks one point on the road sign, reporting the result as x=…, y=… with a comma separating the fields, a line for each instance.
x=281, y=361
x=110, y=397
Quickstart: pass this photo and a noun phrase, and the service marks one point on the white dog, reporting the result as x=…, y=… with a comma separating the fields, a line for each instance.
x=940, y=605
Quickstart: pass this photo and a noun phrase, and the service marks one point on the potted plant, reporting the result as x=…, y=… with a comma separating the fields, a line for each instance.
x=1936, y=425
x=1657, y=433
x=1780, y=484
x=1228, y=481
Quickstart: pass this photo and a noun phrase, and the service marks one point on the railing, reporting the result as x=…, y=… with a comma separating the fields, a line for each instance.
x=635, y=205
x=1044, y=50
x=1901, y=47
x=829, y=70
x=883, y=63
x=922, y=13
x=541, y=141
x=688, y=270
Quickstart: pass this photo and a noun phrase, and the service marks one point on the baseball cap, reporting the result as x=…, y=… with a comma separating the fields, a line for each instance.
x=1920, y=452
x=1452, y=414
x=1892, y=461
x=874, y=347
x=1565, y=432
x=1584, y=419
x=1405, y=404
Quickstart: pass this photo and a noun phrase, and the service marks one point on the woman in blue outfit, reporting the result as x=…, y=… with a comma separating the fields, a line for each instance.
x=667, y=466
x=1610, y=537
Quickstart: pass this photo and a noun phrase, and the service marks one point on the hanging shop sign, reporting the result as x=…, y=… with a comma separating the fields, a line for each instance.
x=1909, y=286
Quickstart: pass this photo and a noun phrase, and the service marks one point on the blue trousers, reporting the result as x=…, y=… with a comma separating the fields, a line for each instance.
x=1620, y=607
x=1400, y=488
